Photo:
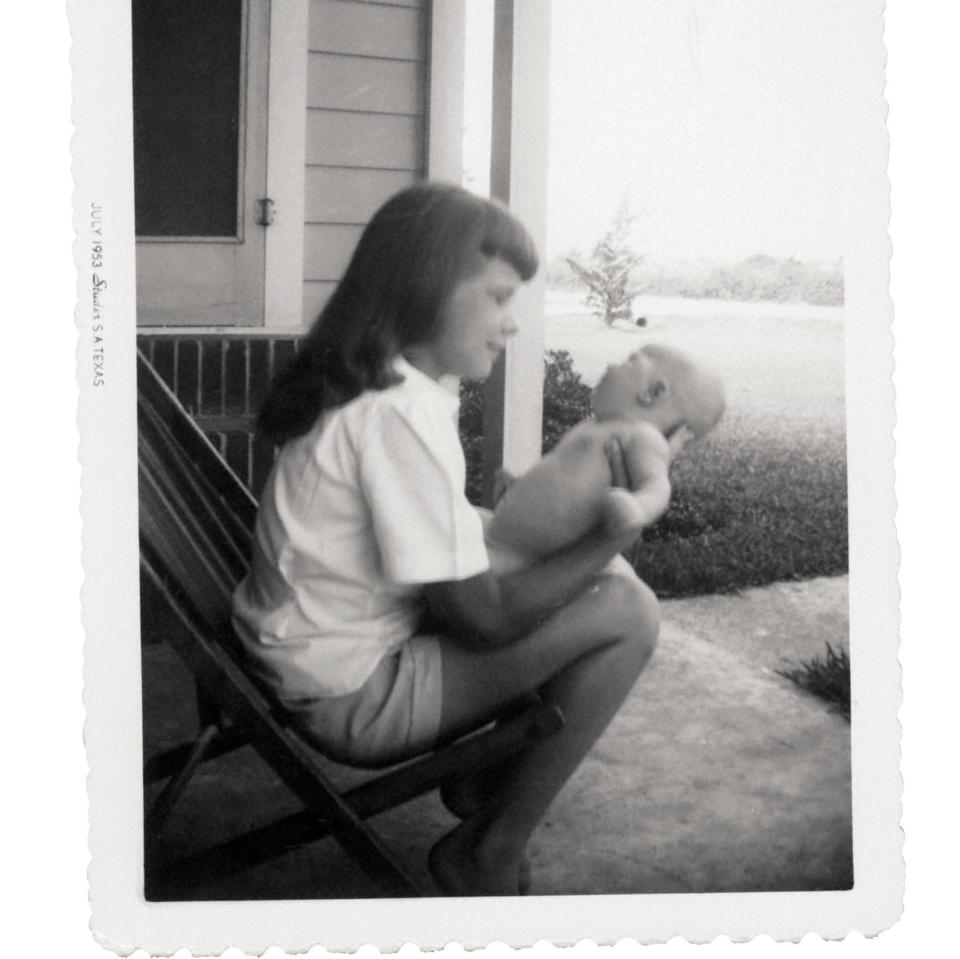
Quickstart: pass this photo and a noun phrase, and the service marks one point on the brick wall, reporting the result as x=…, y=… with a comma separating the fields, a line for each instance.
x=221, y=381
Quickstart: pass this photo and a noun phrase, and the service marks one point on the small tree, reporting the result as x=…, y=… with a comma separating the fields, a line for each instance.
x=607, y=273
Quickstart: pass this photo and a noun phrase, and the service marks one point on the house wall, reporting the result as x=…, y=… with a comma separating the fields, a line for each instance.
x=372, y=106
x=366, y=125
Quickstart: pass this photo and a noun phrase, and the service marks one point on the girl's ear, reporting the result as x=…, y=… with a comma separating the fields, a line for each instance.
x=653, y=393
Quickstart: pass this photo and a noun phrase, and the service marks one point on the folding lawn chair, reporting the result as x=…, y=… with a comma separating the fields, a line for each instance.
x=196, y=521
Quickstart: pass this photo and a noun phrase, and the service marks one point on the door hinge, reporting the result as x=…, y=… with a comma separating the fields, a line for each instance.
x=265, y=211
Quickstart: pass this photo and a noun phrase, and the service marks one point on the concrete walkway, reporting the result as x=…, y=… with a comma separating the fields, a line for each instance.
x=717, y=775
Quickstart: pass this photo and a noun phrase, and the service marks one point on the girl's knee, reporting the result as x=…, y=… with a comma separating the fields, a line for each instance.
x=636, y=607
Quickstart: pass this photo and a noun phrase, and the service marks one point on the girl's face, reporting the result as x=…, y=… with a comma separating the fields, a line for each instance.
x=475, y=324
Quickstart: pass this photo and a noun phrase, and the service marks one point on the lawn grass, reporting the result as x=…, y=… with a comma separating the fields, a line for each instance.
x=750, y=508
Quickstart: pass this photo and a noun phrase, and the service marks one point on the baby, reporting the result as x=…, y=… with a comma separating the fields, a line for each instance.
x=651, y=405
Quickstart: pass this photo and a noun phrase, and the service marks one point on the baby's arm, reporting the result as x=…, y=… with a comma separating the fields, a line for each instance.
x=646, y=456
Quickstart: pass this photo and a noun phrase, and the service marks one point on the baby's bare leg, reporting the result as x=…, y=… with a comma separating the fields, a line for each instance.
x=585, y=659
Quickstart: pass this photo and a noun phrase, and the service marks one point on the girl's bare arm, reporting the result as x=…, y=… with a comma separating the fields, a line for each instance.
x=487, y=611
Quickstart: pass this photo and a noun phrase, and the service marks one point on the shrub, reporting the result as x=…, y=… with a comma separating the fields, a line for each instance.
x=566, y=398
x=559, y=274
x=566, y=401
x=608, y=272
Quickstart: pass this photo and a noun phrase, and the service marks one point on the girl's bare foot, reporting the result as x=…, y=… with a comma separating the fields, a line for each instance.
x=460, y=868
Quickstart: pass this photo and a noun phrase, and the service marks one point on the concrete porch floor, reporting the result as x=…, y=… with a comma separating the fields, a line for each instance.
x=717, y=775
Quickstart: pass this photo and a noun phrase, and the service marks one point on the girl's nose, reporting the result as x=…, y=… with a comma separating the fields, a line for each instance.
x=508, y=325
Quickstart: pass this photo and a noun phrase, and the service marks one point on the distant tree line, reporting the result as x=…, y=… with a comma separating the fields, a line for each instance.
x=755, y=278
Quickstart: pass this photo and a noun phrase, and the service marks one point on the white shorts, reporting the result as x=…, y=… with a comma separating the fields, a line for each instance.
x=394, y=715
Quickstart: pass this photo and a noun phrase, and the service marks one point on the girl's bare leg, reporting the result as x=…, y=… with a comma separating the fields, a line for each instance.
x=585, y=659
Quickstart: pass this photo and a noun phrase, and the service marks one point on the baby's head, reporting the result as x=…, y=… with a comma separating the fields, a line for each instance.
x=662, y=387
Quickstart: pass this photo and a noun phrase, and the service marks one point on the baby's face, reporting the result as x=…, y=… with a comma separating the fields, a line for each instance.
x=634, y=390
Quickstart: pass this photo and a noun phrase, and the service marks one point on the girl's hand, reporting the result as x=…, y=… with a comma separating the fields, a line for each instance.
x=622, y=516
x=618, y=464
x=637, y=457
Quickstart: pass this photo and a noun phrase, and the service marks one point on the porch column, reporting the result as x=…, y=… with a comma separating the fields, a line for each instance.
x=513, y=395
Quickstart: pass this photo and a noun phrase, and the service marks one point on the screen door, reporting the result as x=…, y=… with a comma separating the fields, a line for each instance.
x=200, y=130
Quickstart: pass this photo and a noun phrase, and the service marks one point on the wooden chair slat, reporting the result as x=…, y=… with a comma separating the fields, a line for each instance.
x=157, y=396
x=196, y=498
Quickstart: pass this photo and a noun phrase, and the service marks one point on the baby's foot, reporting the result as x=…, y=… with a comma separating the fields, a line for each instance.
x=460, y=870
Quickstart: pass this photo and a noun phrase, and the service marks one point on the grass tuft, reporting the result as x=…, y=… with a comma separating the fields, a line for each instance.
x=828, y=678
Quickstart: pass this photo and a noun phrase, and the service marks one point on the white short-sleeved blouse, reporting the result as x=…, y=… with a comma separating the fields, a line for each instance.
x=356, y=516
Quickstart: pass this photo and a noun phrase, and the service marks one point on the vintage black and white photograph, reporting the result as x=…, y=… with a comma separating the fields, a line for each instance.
x=499, y=452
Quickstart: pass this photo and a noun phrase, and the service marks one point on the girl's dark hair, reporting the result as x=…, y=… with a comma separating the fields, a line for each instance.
x=419, y=245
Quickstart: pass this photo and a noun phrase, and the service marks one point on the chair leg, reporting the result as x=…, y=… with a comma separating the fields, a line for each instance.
x=164, y=803
x=168, y=763
x=215, y=738
x=295, y=831
x=208, y=711
x=504, y=740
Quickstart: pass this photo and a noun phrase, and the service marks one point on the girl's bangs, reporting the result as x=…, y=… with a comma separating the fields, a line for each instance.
x=506, y=237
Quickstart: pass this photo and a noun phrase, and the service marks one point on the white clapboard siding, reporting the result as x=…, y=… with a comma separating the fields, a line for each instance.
x=339, y=82
x=393, y=3
x=327, y=249
x=315, y=296
x=366, y=29
x=371, y=140
x=365, y=127
x=337, y=195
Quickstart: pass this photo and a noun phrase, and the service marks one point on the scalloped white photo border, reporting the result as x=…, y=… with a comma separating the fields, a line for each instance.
x=123, y=921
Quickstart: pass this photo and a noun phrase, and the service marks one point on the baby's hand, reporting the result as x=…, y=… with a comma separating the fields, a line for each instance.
x=678, y=439
x=621, y=515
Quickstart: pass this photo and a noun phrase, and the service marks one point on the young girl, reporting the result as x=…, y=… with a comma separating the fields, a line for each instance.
x=364, y=529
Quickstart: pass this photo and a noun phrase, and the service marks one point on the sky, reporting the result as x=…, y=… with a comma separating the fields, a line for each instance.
x=723, y=123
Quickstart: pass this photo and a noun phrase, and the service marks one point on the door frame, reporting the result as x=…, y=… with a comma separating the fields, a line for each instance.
x=286, y=145
x=236, y=263
x=286, y=107
x=286, y=163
